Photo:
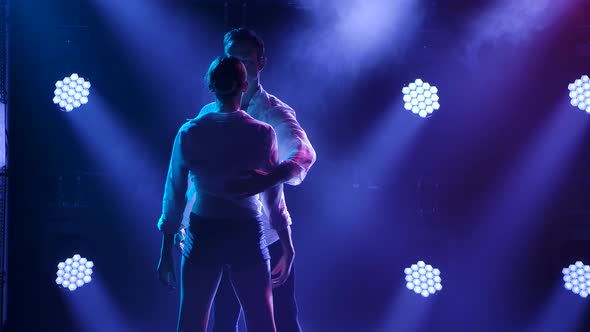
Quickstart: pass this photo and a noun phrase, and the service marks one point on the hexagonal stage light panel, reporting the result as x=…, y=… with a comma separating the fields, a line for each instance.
x=576, y=278
x=421, y=98
x=71, y=92
x=74, y=272
x=580, y=93
x=423, y=279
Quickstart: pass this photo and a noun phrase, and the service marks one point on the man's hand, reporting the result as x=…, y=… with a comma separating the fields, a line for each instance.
x=280, y=273
x=167, y=271
x=249, y=184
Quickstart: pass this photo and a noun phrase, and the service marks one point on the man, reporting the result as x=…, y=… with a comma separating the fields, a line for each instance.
x=296, y=156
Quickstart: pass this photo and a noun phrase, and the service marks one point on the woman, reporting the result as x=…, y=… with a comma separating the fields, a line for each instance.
x=223, y=230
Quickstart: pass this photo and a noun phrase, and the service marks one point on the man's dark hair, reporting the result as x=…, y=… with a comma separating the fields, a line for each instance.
x=243, y=35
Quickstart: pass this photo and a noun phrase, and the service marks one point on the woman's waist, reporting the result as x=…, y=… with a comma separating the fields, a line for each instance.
x=209, y=206
x=224, y=227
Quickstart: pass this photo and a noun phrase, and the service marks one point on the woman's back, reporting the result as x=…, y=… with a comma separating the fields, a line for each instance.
x=217, y=147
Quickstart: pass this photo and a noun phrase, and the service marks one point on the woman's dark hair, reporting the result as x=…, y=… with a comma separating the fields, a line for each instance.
x=226, y=76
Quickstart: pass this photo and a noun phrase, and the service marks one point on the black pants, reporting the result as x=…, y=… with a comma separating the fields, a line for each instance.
x=227, y=306
x=211, y=244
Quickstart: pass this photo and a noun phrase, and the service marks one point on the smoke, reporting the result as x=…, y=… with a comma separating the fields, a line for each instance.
x=350, y=35
x=511, y=23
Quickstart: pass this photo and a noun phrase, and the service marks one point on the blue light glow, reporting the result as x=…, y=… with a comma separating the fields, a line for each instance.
x=74, y=272
x=423, y=279
x=71, y=92
x=580, y=93
x=421, y=98
x=576, y=278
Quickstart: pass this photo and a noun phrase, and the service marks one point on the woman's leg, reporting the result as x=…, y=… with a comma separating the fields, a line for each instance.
x=253, y=288
x=226, y=306
x=198, y=284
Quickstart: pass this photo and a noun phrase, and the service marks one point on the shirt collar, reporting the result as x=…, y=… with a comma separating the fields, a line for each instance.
x=259, y=98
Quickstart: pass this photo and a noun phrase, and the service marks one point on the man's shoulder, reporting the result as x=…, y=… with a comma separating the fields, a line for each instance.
x=276, y=107
x=275, y=102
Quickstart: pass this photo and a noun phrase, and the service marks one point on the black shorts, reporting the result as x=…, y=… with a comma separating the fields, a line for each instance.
x=219, y=242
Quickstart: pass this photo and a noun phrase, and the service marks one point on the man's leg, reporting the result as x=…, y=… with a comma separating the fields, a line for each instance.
x=285, y=305
x=226, y=306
